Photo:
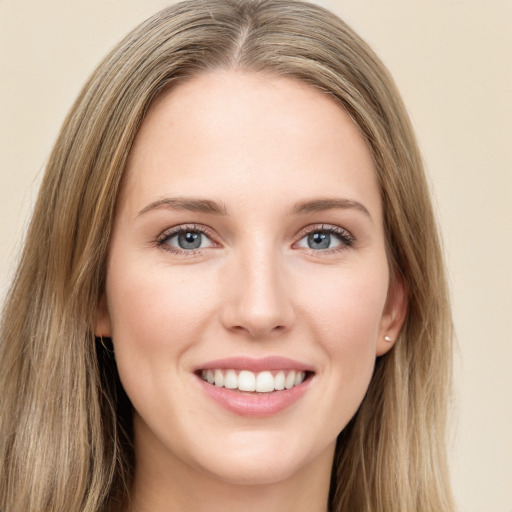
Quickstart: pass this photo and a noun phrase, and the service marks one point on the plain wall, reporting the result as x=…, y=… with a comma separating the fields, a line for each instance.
x=452, y=62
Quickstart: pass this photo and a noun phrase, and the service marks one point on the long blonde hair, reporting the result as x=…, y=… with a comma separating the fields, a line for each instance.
x=64, y=419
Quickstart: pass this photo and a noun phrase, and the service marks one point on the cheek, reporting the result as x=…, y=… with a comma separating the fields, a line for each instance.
x=350, y=300
x=342, y=311
x=345, y=316
x=156, y=314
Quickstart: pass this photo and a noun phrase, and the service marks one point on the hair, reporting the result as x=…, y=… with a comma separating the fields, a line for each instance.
x=65, y=422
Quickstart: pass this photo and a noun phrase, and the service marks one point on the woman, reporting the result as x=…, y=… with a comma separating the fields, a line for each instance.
x=232, y=292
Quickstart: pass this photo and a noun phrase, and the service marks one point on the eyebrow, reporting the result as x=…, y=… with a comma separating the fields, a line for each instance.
x=189, y=204
x=328, y=203
x=192, y=204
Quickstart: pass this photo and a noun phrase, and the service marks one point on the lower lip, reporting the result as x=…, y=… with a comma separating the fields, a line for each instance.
x=252, y=404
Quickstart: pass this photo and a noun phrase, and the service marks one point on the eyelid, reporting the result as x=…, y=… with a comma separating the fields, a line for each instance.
x=346, y=238
x=180, y=228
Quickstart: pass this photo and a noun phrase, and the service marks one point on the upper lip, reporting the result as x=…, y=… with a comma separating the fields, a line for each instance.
x=262, y=364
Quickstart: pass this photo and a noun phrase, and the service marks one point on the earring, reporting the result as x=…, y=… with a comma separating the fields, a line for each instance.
x=388, y=339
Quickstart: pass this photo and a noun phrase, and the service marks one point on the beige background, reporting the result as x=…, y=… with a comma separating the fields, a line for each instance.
x=452, y=62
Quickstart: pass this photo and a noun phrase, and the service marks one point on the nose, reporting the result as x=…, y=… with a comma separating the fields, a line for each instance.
x=258, y=296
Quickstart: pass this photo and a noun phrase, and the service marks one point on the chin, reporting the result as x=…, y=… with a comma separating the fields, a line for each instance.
x=239, y=471
x=259, y=459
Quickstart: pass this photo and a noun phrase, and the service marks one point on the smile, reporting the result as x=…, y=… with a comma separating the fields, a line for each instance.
x=255, y=388
x=259, y=382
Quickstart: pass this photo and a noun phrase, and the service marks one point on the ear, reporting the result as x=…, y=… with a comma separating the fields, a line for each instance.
x=393, y=316
x=103, y=328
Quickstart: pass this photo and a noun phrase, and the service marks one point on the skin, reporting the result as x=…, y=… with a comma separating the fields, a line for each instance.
x=257, y=146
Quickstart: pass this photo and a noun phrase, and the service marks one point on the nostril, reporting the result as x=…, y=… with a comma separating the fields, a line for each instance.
x=257, y=314
x=256, y=330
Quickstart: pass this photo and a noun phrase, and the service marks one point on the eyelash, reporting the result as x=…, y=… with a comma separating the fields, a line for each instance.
x=187, y=228
x=345, y=238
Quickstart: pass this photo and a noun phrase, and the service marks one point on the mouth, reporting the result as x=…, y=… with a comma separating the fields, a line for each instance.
x=254, y=382
x=255, y=387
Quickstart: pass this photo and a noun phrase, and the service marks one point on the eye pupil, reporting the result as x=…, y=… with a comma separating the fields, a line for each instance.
x=319, y=240
x=189, y=240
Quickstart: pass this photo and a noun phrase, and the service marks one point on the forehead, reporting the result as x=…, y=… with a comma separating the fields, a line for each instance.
x=229, y=130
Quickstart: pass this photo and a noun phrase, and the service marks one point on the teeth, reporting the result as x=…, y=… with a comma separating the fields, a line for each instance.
x=219, y=379
x=289, y=381
x=246, y=381
x=279, y=381
x=231, y=380
x=262, y=382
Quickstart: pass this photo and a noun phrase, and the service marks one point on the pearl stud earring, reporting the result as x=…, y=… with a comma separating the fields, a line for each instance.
x=388, y=339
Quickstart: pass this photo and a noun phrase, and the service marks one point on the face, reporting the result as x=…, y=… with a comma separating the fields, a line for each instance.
x=248, y=291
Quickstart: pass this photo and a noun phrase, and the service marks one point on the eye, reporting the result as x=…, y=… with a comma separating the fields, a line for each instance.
x=185, y=239
x=326, y=238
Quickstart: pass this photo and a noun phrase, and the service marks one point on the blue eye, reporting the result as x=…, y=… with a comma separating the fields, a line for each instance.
x=187, y=240
x=325, y=239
